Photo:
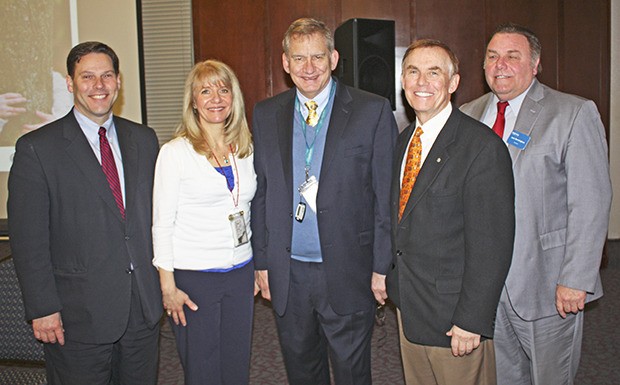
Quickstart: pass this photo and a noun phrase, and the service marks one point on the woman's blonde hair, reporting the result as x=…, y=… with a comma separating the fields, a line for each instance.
x=236, y=130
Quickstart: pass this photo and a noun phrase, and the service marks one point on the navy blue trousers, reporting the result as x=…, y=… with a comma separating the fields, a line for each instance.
x=312, y=334
x=214, y=347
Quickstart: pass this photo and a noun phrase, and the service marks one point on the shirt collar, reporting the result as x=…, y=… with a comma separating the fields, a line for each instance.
x=91, y=129
x=513, y=104
x=436, y=123
x=321, y=99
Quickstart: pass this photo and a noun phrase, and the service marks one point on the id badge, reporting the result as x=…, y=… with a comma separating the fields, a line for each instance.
x=308, y=190
x=238, y=227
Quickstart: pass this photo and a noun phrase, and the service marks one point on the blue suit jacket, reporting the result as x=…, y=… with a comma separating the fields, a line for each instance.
x=71, y=248
x=352, y=202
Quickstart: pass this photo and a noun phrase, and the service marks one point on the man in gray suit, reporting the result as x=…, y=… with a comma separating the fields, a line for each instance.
x=80, y=228
x=563, y=196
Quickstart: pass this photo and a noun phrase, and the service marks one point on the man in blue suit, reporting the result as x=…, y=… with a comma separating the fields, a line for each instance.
x=79, y=215
x=320, y=217
x=563, y=197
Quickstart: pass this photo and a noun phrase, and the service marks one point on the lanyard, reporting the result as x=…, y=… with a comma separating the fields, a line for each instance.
x=317, y=129
x=230, y=188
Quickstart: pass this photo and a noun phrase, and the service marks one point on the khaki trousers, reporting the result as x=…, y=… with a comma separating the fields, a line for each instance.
x=433, y=365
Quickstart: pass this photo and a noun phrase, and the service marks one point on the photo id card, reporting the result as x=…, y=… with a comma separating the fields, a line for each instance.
x=238, y=227
x=308, y=189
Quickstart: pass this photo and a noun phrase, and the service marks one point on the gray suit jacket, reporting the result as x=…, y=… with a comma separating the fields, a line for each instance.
x=352, y=200
x=453, y=245
x=563, y=198
x=71, y=248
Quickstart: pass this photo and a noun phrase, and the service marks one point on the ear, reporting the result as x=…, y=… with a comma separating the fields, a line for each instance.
x=535, y=69
x=69, y=81
x=334, y=59
x=285, y=63
x=454, y=83
x=118, y=81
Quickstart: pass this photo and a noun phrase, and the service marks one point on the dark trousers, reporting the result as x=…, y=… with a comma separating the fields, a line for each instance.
x=310, y=328
x=214, y=347
x=132, y=360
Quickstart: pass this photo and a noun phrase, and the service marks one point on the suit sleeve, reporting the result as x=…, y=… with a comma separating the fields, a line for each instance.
x=588, y=198
x=258, y=225
x=383, y=149
x=28, y=213
x=489, y=225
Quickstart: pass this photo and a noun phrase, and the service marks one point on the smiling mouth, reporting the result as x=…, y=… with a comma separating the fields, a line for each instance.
x=423, y=94
x=99, y=97
x=502, y=77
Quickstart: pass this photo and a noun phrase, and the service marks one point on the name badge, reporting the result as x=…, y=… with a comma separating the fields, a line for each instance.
x=239, y=229
x=518, y=139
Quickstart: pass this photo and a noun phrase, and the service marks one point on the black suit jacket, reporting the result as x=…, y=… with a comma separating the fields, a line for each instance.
x=71, y=248
x=352, y=201
x=453, y=246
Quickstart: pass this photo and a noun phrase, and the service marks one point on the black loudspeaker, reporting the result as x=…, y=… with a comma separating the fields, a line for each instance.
x=366, y=50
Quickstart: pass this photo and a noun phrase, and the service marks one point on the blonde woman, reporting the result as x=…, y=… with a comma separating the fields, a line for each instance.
x=204, y=182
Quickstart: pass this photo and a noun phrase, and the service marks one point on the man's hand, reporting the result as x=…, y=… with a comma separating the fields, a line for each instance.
x=49, y=329
x=261, y=278
x=569, y=300
x=378, y=287
x=463, y=342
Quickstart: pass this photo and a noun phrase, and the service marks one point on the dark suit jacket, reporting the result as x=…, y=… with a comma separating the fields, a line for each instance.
x=454, y=243
x=71, y=248
x=352, y=201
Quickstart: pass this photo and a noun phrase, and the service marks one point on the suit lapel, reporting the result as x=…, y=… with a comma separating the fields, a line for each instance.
x=528, y=115
x=435, y=160
x=285, y=122
x=337, y=124
x=129, y=153
x=82, y=154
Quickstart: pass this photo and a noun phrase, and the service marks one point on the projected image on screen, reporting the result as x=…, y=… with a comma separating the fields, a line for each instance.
x=35, y=36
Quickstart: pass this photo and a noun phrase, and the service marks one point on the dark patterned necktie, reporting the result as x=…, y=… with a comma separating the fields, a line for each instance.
x=109, y=169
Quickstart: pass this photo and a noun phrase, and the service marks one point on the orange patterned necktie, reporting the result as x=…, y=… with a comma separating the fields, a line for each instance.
x=412, y=168
x=313, y=116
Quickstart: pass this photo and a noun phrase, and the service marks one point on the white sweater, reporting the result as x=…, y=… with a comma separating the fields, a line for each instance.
x=191, y=204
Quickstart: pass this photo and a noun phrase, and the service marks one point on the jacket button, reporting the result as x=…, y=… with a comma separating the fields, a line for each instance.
x=288, y=249
x=399, y=253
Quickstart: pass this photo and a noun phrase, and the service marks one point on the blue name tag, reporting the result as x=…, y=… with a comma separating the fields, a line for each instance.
x=518, y=139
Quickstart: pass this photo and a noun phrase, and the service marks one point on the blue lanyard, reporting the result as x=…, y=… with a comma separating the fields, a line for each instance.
x=317, y=128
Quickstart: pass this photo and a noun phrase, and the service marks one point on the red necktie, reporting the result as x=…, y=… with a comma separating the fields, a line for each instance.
x=498, y=126
x=412, y=168
x=109, y=169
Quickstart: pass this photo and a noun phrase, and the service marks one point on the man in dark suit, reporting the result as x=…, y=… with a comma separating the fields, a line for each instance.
x=320, y=217
x=80, y=228
x=563, y=198
x=452, y=232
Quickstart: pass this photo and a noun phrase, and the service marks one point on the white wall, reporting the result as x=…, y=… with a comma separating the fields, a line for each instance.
x=614, y=134
x=114, y=22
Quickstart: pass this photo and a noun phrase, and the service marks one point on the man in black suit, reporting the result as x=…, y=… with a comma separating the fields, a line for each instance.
x=453, y=234
x=80, y=228
x=320, y=217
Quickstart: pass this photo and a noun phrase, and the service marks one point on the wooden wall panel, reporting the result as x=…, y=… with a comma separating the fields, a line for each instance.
x=237, y=36
x=462, y=28
x=584, y=52
x=574, y=34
